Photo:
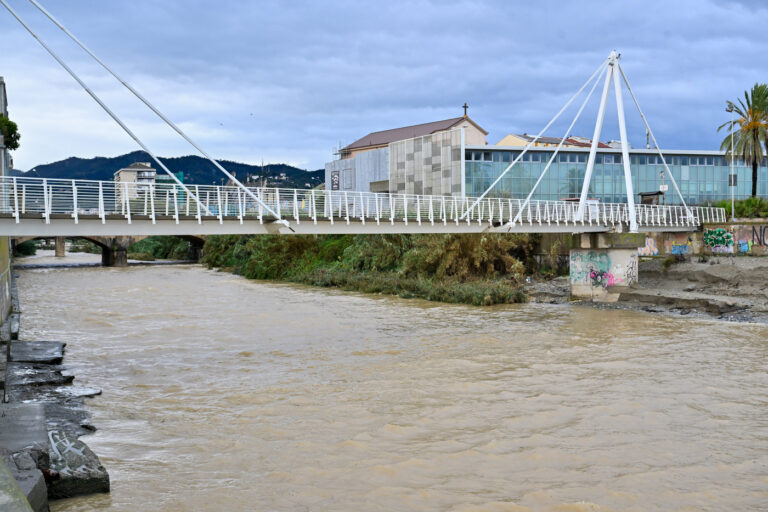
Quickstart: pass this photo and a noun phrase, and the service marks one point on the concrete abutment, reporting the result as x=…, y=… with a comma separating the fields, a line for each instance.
x=603, y=265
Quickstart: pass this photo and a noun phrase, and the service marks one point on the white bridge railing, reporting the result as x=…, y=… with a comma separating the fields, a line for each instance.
x=108, y=201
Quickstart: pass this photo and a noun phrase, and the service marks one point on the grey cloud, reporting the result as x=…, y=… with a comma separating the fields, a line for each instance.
x=316, y=73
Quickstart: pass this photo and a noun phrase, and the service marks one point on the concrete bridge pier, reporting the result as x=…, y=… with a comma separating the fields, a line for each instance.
x=114, y=251
x=604, y=265
x=60, y=247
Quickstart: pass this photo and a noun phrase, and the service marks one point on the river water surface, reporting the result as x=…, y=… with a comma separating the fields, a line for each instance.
x=227, y=394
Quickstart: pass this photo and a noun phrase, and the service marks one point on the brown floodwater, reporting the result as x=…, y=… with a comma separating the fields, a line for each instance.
x=221, y=393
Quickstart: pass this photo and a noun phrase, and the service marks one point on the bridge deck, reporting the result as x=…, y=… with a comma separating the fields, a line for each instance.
x=49, y=207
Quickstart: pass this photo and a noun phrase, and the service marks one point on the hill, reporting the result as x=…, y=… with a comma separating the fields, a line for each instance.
x=196, y=170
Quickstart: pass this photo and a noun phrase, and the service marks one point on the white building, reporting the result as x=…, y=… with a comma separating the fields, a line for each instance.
x=139, y=177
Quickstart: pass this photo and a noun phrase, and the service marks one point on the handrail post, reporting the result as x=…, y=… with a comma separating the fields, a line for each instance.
x=74, y=201
x=239, y=205
x=218, y=199
x=102, y=213
x=46, y=204
x=197, y=193
x=152, y=201
x=176, y=205
x=15, y=200
x=126, y=201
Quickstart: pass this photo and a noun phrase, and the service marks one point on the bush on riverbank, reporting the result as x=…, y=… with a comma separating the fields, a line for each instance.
x=82, y=245
x=140, y=256
x=28, y=248
x=750, y=208
x=474, y=269
x=162, y=247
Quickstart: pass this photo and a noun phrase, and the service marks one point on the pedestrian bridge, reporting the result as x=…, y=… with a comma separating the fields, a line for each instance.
x=58, y=207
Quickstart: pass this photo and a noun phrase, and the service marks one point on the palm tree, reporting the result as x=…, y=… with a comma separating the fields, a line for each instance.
x=749, y=129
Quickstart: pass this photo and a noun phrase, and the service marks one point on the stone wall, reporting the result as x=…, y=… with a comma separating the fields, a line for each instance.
x=746, y=238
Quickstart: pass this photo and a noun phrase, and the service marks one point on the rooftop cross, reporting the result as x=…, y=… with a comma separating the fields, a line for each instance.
x=465, y=107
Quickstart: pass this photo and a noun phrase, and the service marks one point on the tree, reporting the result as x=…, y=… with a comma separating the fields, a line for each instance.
x=749, y=129
x=10, y=132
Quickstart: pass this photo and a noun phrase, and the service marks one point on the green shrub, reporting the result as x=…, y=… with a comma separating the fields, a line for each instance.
x=473, y=269
x=28, y=248
x=140, y=256
x=163, y=247
x=750, y=208
x=82, y=245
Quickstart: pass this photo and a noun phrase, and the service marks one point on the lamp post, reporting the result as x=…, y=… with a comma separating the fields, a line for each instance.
x=732, y=177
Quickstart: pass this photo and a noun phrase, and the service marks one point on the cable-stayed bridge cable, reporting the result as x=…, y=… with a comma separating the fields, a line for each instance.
x=153, y=108
x=103, y=106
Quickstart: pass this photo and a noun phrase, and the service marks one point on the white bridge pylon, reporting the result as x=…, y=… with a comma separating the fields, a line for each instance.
x=612, y=74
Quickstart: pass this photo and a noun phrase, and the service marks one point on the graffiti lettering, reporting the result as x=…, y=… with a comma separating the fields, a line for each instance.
x=758, y=235
x=680, y=249
x=745, y=246
x=650, y=248
x=719, y=241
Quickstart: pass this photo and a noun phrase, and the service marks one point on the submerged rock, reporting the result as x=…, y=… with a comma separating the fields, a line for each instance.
x=79, y=469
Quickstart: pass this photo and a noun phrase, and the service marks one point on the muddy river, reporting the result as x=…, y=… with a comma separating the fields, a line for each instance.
x=221, y=393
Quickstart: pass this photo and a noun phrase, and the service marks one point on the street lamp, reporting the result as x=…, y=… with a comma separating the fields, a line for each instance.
x=732, y=177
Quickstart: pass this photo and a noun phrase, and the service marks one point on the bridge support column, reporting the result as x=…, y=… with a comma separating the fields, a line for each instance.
x=60, y=247
x=117, y=257
x=600, y=274
x=195, y=252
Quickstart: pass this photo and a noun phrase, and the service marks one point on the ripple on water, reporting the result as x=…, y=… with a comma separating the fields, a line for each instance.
x=221, y=393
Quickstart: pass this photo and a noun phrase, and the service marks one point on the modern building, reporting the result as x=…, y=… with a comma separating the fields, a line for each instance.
x=551, y=142
x=444, y=161
x=422, y=159
x=701, y=175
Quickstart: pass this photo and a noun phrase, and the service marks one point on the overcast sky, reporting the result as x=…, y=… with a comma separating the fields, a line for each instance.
x=289, y=81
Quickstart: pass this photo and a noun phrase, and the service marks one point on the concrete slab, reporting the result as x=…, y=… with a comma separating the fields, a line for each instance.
x=11, y=497
x=42, y=352
x=31, y=374
x=23, y=433
x=15, y=325
x=30, y=479
x=22, y=426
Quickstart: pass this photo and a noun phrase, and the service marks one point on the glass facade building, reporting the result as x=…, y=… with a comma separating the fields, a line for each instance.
x=701, y=175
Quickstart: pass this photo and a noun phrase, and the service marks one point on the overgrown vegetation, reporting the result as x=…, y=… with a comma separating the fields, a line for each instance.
x=83, y=245
x=750, y=208
x=160, y=247
x=28, y=248
x=140, y=256
x=478, y=269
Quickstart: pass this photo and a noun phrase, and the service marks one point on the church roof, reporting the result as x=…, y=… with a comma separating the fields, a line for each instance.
x=407, y=132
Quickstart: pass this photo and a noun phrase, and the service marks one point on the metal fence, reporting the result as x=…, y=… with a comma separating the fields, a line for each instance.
x=109, y=200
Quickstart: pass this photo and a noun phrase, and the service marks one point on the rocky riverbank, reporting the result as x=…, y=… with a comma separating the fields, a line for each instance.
x=42, y=421
x=726, y=288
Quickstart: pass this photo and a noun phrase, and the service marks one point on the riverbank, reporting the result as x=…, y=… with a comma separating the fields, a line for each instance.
x=472, y=269
x=724, y=288
x=43, y=419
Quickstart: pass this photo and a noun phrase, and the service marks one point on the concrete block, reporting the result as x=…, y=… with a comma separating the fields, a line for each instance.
x=41, y=352
x=30, y=479
x=12, y=499
x=22, y=425
x=600, y=275
x=15, y=325
x=80, y=470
